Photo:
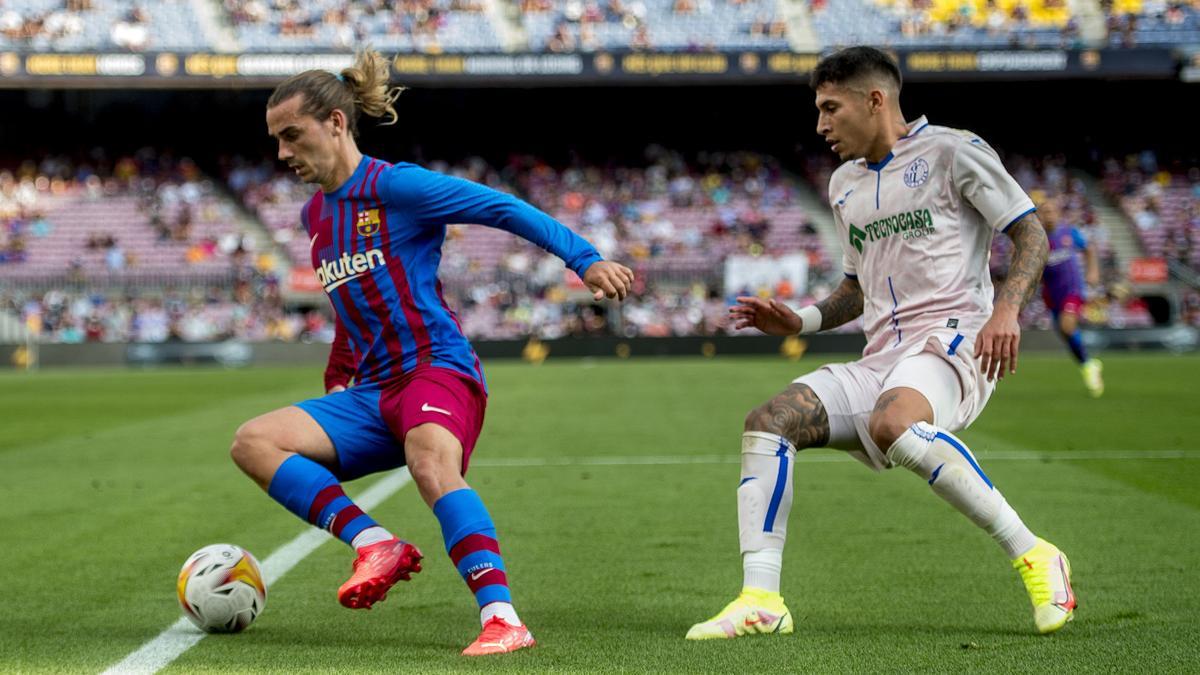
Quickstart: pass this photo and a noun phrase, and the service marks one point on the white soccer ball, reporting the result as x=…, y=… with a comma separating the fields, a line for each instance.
x=221, y=588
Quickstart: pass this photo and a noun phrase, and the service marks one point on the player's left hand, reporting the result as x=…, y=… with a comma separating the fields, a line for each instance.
x=606, y=279
x=998, y=342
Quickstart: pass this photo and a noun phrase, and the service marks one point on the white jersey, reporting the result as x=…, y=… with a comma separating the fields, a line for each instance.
x=916, y=231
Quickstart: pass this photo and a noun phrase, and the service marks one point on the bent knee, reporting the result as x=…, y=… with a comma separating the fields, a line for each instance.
x=250, y=442
x=759, y=419
x=885, y=429
x=795, y=414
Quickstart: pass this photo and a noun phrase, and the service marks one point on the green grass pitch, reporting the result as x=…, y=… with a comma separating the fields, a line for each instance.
x=110, y=478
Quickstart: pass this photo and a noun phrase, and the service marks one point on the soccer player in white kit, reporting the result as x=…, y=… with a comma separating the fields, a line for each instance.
x=916, y=206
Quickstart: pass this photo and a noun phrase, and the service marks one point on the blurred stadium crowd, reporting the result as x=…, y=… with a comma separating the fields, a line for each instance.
x=210, y=255
x=585, y=25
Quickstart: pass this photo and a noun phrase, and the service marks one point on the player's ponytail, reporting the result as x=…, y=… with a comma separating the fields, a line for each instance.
x=361, y=88
x=368, y=79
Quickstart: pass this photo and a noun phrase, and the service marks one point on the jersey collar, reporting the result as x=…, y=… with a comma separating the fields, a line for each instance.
x=915, y=127
x=354, y=178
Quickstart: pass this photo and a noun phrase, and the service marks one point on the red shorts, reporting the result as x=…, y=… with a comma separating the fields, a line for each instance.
x=439, y=396
x=1070, y=303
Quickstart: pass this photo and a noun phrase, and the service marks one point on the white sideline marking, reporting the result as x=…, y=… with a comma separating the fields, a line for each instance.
x=735, y=458
x=182, y=635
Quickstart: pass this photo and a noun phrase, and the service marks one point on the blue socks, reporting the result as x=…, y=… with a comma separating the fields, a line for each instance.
x=1075, y=342
x=310, y=491
x=470, y=540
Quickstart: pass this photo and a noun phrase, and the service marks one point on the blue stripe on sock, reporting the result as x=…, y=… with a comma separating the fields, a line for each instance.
x=474, y=560
x=296, y=483
x=494, y=593
x=965, y=453
x=331, y=509
x=355, y=527
x=462, y=513
x=1075, y=342
x=780, y=484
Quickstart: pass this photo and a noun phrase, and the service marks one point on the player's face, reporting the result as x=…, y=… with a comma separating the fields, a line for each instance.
x=305, y=143
x=844, y=119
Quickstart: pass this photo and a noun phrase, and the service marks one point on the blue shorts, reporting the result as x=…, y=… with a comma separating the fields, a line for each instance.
x=362, y=440
x=368, y=422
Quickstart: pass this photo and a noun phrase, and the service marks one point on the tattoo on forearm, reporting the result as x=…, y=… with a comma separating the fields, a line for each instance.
x=1030, y=250
x=844, y=304
x=796, y=414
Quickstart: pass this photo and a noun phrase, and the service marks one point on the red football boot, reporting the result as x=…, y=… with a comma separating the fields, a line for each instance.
x=377, y=568
x=500, y=637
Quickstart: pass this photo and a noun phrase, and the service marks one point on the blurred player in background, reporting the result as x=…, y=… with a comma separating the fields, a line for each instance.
x=916, y=206
x=419, y=394
x=1063, y=288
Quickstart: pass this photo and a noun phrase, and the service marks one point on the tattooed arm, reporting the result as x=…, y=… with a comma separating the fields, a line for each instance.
x=773, y=317
x=844, y=304
x=1000, y=338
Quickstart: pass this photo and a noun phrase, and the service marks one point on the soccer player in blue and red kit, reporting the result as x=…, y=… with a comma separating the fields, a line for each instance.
x=419, y=395
x=1063, y=287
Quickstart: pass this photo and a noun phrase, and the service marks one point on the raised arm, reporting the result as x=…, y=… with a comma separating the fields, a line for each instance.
x=435, y=199
x=1000, y=338
x=773, y=317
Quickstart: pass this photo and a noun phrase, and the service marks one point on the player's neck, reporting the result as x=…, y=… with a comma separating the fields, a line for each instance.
x=346, y=165
x=891, y=131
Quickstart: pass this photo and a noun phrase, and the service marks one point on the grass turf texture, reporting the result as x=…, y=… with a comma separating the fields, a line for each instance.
x=112, y=477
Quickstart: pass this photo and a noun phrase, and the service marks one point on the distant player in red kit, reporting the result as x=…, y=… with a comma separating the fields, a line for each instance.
x=419, y=394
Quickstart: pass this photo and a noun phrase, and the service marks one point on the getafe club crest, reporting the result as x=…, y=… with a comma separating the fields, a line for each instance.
x=368, y=222
x=916, y=173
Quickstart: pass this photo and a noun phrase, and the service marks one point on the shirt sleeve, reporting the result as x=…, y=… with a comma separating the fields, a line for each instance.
x=849, y=268
x=342, y=363
x=981, y=179
x=433, y=199
x=1079, y=239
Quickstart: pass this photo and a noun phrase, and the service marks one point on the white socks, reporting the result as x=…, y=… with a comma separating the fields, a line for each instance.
x=371, y=535
x=764, y=503
x=761, y=569
x=504, y=610
x=951, y=470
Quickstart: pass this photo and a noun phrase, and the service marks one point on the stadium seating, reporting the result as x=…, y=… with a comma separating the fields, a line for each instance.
x=82, y=25
x=1134, y=23
x=683, y=225
x=1164, y=205
x=173, y=225
x=944, y=23
x=665, y=25
x=673, y=221
x=406, y=26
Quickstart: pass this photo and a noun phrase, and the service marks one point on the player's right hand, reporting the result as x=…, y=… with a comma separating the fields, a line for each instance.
x=606, y=279
x=335, y=389
x=770, y=316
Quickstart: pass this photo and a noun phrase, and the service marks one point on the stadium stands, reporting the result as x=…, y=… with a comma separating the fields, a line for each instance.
x=145, y=215
x=406, y=26
x=945, y=23
x=394, y=25
x=81, y=25
x=1163, y=204
x=1133, y=23
x=674, y=220
x=665, y=25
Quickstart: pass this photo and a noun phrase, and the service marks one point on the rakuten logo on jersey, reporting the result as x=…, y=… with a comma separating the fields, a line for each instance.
x=343, y=269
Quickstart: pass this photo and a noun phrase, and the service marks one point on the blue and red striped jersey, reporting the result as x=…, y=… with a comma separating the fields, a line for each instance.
x=376, y=244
